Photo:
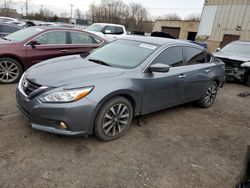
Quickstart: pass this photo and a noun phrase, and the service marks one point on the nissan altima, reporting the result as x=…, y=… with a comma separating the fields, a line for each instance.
x=101, y=93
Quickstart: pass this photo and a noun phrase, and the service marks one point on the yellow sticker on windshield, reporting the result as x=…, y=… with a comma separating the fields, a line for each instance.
x=148, y=46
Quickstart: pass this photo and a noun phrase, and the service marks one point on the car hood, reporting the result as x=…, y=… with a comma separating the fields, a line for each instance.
x=5, y=42
x=232, y=56
x=69, y=70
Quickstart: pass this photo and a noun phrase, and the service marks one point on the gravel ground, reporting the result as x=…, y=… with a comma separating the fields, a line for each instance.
x=183, y=146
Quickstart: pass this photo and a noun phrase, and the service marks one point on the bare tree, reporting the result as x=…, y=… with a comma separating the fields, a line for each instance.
x=64, y=15
x=138, y=15
x=116, y=11
x=7, y=4
x=78, y=13
x=194, y=17
x=170, y=17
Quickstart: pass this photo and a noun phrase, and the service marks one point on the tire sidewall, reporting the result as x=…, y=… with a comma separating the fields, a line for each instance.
x=202, y=102
x=98, y=129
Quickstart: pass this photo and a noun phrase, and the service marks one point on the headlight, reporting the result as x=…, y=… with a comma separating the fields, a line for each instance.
x=68, y=95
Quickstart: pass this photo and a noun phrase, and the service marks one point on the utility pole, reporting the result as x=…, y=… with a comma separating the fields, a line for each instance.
x=26, y=7
x=71, y=12
x=110, y=5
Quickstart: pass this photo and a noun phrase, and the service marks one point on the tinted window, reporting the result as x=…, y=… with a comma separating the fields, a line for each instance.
x=80, y=38
x=119, y=30
x=194, y=56
x=55, y=37
x=171, y=56
x=110, y=28
x=123, y=53
x=95, y=27
x=8, y=29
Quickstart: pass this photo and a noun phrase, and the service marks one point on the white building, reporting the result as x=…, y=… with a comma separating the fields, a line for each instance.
x=224, y=21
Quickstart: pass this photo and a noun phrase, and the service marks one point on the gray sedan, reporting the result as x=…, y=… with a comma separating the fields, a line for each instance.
x=101, y=93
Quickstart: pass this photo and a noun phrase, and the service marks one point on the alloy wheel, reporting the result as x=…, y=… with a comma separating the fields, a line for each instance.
x=116, y=119
x=211, y=94
x=9, y=71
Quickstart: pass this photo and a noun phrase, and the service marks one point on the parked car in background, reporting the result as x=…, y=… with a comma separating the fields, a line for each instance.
x=108, y=31
x=162, y=34
x=6, y=29
x=7, y=19
x=236, y=56
x=24, y=48
x=147, y=74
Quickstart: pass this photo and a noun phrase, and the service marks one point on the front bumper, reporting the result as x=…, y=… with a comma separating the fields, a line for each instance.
x=78, y=116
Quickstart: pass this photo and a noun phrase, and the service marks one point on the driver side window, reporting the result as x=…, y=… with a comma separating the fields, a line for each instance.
x=172, y=56
x=58, y=37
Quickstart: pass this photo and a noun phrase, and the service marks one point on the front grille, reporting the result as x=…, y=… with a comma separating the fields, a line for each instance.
x=231, y=63
x=29, y=87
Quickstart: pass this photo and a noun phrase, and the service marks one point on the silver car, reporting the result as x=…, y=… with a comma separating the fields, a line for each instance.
x=101, y=93
x=236, y=56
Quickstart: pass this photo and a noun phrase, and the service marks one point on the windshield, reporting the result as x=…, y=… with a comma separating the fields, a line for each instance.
x=237, y=48
x=95, y=27
x=23, y=34
x=123, y=53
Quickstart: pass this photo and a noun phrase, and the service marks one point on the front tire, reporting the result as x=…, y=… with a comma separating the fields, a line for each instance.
x=10, y=70
x=113, y=119
x=208, y=98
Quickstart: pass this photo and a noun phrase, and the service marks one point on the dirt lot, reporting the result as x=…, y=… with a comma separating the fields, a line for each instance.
x=181, y=147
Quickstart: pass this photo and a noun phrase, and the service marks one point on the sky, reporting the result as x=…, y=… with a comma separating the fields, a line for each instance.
x=155, y=7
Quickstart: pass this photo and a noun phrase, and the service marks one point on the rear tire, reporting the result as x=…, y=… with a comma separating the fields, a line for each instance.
x=114, y=119
x=10, y=70
x=208, y=98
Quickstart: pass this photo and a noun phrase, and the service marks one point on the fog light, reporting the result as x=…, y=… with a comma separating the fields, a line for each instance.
x=62, y=125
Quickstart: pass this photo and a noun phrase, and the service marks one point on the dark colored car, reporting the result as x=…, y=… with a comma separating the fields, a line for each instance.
x=162, y=34
x=236, y=56
x=24, y=48
x=6, y=29
x=129, y=77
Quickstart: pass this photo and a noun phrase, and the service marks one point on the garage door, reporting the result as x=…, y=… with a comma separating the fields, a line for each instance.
x=174, y=31
x=229, y=38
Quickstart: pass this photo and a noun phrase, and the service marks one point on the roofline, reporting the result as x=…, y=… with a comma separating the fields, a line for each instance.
x=109, y=24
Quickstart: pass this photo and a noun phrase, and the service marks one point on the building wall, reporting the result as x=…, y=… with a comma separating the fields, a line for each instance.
x=232, y=18
x=185, y=26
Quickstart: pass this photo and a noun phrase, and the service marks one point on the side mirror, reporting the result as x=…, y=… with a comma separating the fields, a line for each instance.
x=34, y=42
x=218, y=49
x=159, y=67
x=107, y=32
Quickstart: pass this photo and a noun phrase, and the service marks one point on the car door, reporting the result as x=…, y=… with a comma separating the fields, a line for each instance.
x=81, y=42
x=198, y=73
x=48, y=45
x=164, y=89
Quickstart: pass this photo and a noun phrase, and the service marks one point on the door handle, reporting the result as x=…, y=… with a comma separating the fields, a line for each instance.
x=182, y=76
x=208, y=70
x=63, y=51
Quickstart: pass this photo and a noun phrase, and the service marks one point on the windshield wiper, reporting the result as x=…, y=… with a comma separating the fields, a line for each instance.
x=5, y=39
x=99, y=62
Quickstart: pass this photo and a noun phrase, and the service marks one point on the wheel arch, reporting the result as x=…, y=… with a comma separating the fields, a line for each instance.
x=133, y=98
x=15, y=58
